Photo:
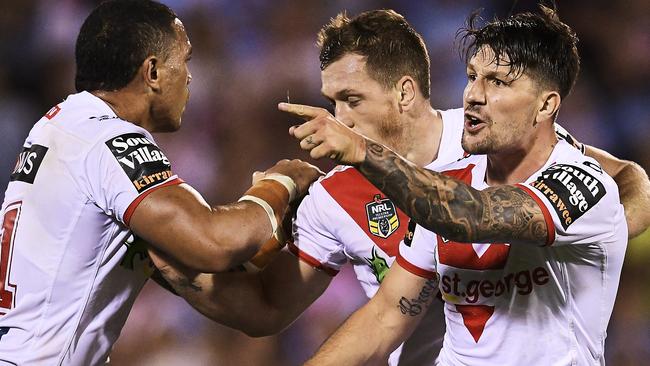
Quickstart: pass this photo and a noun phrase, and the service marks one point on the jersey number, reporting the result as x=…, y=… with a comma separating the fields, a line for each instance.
x=8, y=290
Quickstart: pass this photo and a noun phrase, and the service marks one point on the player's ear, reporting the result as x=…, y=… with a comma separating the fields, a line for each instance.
x=150, y=74
x=406, y=91
x=549, y=104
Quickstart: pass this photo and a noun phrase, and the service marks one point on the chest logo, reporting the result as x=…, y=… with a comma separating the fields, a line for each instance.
x=382, y=217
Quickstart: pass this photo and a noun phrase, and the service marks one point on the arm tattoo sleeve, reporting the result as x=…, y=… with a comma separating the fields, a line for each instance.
x=451, y=208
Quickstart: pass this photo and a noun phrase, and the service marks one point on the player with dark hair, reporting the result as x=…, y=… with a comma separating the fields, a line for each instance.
x=90, y=181
x=375, y=72
x=527, y=234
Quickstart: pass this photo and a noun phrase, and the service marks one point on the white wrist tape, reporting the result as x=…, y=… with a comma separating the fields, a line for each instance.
x=286, y=181
x=265, y=205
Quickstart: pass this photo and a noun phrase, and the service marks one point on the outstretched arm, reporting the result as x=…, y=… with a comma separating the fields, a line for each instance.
x=383, y=323
x=452, y=208
x=439, y=203
x=176, y=220
x=633, y=188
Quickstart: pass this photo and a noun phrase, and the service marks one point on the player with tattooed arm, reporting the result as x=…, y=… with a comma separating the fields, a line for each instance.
x=525, y=238
x=375, y=72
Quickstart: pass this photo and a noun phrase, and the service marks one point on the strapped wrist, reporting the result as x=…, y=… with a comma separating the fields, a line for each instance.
x=265, y=205
x=286, y=181
x=273, y=197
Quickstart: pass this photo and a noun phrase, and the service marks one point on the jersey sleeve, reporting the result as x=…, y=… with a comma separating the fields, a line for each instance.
x=122, y=169
x=579, y=201
x=417, y=252
x=315, y=241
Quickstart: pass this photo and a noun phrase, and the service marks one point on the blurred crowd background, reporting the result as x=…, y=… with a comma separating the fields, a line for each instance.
x=249, y=55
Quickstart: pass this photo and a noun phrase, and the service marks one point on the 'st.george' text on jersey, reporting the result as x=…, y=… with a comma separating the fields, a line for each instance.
x=523, y=304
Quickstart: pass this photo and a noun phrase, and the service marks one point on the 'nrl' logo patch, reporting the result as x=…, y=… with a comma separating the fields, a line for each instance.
x=382, y=217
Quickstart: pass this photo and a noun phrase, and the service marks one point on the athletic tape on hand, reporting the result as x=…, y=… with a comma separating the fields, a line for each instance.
x=286, y=181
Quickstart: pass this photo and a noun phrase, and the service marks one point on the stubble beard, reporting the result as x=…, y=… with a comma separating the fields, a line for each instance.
x=480, y=147
x=392, y=131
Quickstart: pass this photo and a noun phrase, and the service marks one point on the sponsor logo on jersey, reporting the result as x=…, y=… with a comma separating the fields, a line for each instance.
x=521, y=282
x=382, y=217
x=571, y=190
x=142, y=161
x=27, y=164
x=378, y=265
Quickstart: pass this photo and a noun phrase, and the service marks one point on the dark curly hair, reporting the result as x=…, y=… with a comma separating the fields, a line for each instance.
x=538, y=44
x=116, y=38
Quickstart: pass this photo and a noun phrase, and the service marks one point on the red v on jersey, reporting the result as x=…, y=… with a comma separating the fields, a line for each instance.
x=475, y=317
x=463, y=255
x=352, y=191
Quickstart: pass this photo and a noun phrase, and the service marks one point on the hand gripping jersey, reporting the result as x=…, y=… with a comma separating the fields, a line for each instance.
x=70, y=268
x=524, y=304
x=345, y=218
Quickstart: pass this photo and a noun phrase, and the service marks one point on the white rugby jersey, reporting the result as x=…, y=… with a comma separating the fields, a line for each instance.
x=70, y=268
x=347, y=219
x=523, y=304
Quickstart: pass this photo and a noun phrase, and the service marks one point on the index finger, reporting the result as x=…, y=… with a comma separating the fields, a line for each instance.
x=305, y=112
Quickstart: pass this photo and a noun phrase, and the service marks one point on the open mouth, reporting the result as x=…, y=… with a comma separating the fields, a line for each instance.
x=473, y=123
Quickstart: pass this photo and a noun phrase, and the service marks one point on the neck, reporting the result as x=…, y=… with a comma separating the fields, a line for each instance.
x=517, y=165
x=128, y=105
x=423, y=138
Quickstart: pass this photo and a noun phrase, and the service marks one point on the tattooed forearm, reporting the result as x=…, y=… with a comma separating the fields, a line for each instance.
x=180, y=283
x=414, y=307
x=451, y=208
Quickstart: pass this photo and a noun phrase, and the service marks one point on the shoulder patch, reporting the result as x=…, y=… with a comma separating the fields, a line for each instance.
x=571, y=190
x=27, y=164
x=142, y=161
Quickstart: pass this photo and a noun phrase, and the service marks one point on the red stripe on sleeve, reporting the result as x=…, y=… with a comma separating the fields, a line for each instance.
x=404, y=263
x=550, y=226
x=136, y=202
x=310, y=260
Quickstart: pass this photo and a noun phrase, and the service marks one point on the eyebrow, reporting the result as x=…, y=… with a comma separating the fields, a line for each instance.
x=342, y=94
x=492, y=74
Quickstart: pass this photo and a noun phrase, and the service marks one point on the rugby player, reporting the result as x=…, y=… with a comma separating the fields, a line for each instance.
x=375, y=72
x=91, y=180
x=525, y=238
